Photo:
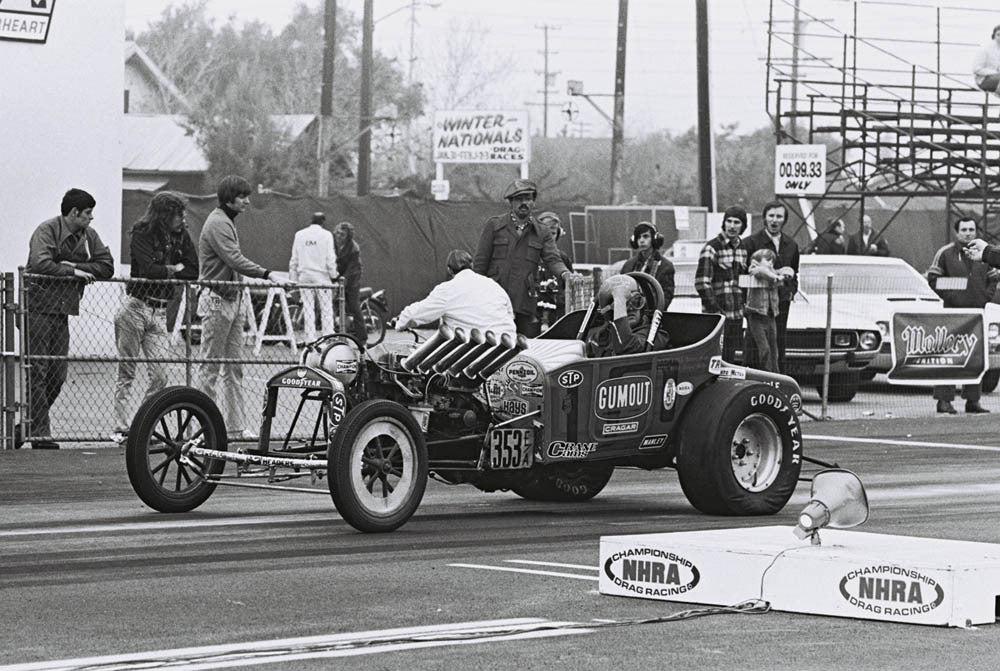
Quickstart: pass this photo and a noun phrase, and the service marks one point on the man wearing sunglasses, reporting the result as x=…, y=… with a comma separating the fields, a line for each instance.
x=627, y=320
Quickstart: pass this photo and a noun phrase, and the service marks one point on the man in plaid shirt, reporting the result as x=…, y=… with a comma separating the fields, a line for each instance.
x=720, y=264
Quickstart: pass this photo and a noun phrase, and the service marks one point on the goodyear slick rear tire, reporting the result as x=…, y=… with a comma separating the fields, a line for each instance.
x=565, y=483
x=723, y=422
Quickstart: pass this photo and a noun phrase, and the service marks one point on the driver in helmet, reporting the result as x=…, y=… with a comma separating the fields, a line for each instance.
x=627, y=320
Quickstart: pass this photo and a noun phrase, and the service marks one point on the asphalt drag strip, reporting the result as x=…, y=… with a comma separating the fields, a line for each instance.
x=253, y=653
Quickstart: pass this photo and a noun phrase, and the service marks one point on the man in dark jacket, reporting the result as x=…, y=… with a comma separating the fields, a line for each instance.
x=349, y=268
x=72, y=255
x=551, y=299
x=648, y=259
x=830, y=241
x=866, y=242
x=953, y=260
x=786, y=252
x=159, y=249
x=511, y=248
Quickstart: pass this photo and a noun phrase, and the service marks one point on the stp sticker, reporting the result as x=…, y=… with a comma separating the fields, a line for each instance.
x=570, y=378
x=669, y=393
x=684, y=388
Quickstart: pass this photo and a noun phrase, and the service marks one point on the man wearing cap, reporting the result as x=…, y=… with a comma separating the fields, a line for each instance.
x=314, y=261
x=511, y=248
x=720, y=264
x=648, y=259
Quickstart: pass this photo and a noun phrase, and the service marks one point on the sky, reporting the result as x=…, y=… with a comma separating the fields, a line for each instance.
x=661, y=71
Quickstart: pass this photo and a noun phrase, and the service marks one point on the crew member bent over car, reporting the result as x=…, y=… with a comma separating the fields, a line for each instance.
x=627, y=320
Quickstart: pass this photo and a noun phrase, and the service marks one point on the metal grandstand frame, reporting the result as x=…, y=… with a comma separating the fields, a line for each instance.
x=910, y=131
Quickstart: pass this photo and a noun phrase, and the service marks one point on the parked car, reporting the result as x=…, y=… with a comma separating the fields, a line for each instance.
x=875, y=287
x=854, y=343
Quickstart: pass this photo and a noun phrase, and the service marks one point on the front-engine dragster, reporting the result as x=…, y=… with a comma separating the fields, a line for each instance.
x=536, y=417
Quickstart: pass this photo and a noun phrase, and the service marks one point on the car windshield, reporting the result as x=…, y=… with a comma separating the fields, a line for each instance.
x=875, y=279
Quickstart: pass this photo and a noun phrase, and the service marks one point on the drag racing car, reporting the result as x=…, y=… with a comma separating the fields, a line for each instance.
x=539, y=418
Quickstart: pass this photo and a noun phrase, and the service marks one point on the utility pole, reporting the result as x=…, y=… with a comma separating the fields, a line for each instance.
x=326, y=98
x=618, y=124
x=796, y=33
x=547, y=78
x=365, y=120
x=706, y=151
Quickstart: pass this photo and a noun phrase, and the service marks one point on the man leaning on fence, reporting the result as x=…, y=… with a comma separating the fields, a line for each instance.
x=954, y=260
x=159, y=249
x=72, y=255
x=221, y=306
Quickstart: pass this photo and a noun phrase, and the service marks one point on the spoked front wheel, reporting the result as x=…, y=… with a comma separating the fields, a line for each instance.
x=162, y=426
x=377, y=466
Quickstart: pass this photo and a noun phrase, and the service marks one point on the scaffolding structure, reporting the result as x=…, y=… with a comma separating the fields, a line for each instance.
x=887, y=87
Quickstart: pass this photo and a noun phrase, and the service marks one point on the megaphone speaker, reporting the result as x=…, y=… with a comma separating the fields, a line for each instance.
x=837, y=500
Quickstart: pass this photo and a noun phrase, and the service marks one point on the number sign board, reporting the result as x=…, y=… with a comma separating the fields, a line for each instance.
x=800, y=169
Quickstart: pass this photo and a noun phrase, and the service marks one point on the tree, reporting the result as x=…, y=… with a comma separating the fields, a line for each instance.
x=237, y=78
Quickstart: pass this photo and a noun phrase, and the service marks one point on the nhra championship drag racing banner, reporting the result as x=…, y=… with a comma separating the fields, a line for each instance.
x=943, y=347
x=475, y=136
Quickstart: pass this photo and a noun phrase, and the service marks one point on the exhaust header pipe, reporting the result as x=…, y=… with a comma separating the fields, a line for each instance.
x=475, y=338
x=520, y=344
x=489, y=341
x=443, y=350
x=443, y=334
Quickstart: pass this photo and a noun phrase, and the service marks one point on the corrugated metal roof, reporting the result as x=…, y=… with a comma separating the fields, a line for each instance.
x=159, y=142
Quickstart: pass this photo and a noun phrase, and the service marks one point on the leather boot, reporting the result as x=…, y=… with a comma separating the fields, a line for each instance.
x=973, y=408
x=946, y=407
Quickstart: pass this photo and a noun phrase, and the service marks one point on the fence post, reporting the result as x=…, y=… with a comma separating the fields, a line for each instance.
x=828, y=343
x=7, y=396
x=189, y=307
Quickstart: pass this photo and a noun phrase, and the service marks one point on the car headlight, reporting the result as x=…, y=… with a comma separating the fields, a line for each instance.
x=994, y=331
x=883, y=328
x=869, y=340
x=841, y=339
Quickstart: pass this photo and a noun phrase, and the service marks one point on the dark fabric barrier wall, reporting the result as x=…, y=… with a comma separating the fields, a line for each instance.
x=404, y=241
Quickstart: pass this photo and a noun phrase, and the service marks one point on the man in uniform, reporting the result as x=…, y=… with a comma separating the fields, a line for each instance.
x=511, y=248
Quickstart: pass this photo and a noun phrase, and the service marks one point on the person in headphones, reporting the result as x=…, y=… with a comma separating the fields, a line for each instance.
x=627, y=320
x=721, y=262
x=467, y=299
x=648, y=259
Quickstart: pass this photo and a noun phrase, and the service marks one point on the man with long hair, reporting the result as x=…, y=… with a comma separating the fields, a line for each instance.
x=160, y=248
x=349, y=268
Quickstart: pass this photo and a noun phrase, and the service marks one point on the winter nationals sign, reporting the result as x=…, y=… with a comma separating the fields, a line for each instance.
x=947, y=346
x=476, y=136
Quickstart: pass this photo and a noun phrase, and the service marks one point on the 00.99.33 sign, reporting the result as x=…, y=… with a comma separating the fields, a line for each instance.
x=799, y=169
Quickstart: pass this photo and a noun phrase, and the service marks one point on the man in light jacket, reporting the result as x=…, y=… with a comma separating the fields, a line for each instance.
x=314, y=261
x=467, y=299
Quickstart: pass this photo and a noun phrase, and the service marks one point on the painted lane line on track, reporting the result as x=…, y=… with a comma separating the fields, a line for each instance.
x=551, y=563
x=317, y=647
x=510, y=569
x=903, y=443
x=157, y=526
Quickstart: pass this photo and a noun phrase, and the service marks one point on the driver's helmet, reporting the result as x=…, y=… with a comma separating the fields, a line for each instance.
x=605, y=295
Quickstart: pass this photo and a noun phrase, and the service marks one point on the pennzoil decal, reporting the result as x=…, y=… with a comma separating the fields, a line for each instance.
x=651, y=572
x=521, y=371
x=619, y=428
x=569, y=379
x=669, y=393
x=653, y=442
x=885, y=589
x=624, y=398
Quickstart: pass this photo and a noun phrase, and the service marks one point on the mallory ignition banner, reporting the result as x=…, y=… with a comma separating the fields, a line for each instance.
x=947, y=346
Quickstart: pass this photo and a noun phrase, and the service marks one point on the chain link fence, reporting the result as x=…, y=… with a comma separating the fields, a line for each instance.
x=81, y=384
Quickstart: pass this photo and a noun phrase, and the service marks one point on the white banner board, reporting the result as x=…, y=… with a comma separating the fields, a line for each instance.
x=800, y=169
x=477, y=136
